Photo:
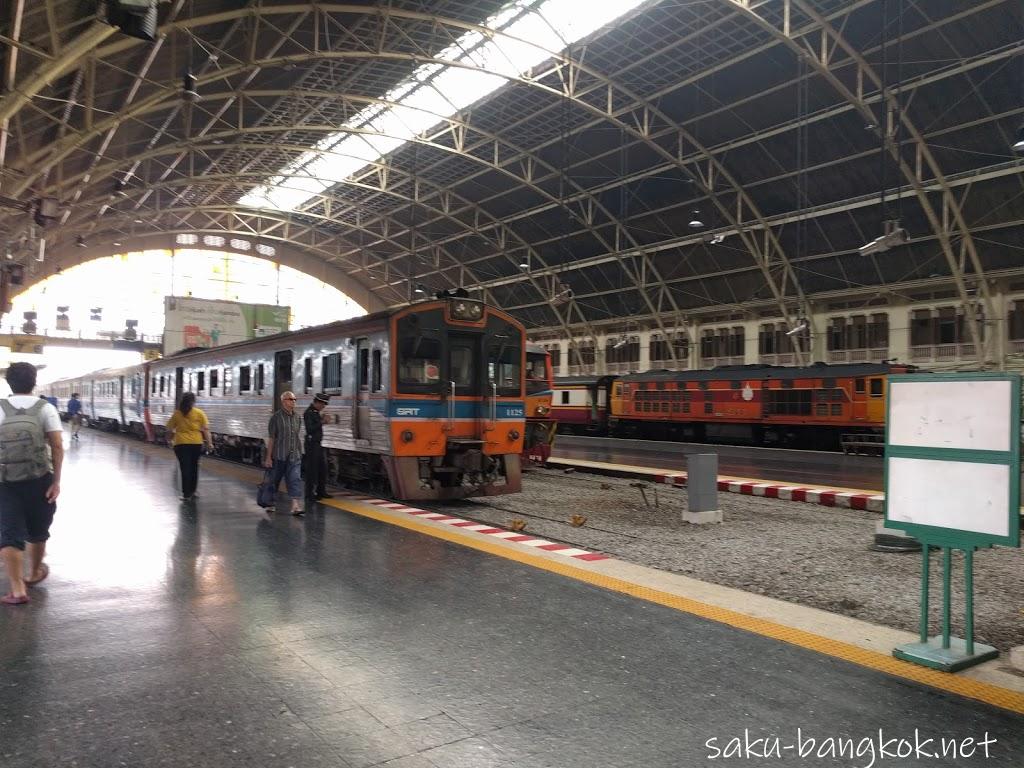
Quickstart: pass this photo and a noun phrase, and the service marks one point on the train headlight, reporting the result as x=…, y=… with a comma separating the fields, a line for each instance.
x=542, y=409
x=463, y=309
x=407, y=436
x=513, y=435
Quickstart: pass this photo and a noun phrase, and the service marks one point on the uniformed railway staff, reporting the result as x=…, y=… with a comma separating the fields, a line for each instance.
x=316, y=461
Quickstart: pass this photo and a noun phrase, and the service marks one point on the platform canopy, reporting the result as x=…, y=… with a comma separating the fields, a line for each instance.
x=575, y=162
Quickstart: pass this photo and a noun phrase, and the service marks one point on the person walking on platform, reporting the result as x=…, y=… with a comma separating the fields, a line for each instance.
x=75, y=414
x=188, y=429
x=315, y=460
x=284, y=450
x=31, y=455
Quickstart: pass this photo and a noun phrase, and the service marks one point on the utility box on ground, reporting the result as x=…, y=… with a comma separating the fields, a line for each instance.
x=702, y=489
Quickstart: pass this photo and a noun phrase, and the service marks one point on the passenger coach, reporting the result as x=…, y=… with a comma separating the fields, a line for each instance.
x=427, y=400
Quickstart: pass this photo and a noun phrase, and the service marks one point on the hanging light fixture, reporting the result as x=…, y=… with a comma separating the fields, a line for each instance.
x=695, y=222
x=1019, y=145
x=419, y=290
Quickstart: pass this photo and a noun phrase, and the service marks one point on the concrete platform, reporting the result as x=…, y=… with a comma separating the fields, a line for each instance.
x=214, y=635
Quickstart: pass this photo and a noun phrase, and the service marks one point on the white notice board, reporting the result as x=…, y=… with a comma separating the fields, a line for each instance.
x=952, y=458
x=949, y=494
x=967, y=415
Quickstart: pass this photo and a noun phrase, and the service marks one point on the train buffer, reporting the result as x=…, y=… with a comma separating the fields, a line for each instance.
x=869, y=444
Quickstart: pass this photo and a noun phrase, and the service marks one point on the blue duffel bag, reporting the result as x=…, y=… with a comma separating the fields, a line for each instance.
x=266, y=491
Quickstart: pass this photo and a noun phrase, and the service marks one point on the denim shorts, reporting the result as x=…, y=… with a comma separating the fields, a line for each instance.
x=25, y=514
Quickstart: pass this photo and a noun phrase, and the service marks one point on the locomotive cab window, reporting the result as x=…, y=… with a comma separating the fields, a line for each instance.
x=419, y=364
x=858, y=385
x=462, y=365
x=504, y=368
x=537, y=374
x=565, y=398
x=876, y=387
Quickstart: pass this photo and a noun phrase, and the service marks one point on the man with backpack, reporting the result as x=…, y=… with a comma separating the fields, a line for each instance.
x=31, y=454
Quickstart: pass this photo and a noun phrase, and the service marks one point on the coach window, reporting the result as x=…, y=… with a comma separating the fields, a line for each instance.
x=876, y=387
x=364, y=368
x=259, y=378
x=419, y=364
x=200, y=381
x=245, y=378
x=565, y=397
x=162, y=383
x=307, y=377
x=330, y=373
x=377, y=371
x=213, y=379
x=152, y=386
x=227, y=380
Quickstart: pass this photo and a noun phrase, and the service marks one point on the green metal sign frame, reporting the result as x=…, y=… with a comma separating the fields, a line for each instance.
x=956, y=537
x=945, y=652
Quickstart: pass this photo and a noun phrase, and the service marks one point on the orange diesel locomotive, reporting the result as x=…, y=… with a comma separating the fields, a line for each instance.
x=540, y=426
x=816, y=406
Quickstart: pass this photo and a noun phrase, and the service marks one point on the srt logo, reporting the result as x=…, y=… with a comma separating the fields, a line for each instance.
x=407, y=411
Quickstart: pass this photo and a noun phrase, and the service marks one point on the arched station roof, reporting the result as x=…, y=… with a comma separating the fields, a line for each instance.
x=791, y=130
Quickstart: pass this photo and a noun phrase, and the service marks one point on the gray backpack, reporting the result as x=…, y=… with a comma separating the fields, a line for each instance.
x=24, y=451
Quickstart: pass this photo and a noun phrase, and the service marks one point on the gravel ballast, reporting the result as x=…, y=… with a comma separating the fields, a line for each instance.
x=807, y=554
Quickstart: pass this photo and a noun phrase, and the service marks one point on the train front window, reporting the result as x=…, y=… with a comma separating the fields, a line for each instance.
x=504, y=368
x=462, y=367
x=419, y=364
x=536, y=373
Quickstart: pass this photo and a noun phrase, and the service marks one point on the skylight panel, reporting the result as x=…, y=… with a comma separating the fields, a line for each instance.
x=435, y=92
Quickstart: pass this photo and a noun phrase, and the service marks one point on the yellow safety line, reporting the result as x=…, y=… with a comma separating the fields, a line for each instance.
x=962, y=686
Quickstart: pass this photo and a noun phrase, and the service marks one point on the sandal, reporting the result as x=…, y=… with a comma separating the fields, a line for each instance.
x=10, y=599
x=46, y=572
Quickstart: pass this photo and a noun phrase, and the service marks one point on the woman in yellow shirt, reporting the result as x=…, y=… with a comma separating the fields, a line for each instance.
x=187, y=429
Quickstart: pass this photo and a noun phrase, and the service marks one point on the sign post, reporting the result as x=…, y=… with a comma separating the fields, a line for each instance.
x=952, y=480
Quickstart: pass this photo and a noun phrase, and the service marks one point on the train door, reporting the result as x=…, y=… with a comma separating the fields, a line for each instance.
x=876, y=399
x=121, y=395
x=463, y=381
x=282, y=374
x=179, y=382
x=361, y=422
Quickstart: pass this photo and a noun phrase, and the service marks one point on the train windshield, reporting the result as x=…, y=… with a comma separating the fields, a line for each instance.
x=463, y=365
x=419, y=364
x=504, y=368
x=537, y=373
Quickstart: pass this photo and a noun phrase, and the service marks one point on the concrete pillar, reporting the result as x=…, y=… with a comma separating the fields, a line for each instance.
x=899, y=332
x=751, y=329
x=645, y=351
x=996, y=326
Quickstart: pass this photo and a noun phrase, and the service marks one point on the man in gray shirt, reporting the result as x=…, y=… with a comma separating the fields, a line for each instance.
x=284, y=450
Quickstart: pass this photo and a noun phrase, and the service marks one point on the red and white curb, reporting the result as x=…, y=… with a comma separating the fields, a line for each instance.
x=468, y=525
x=826, y=497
